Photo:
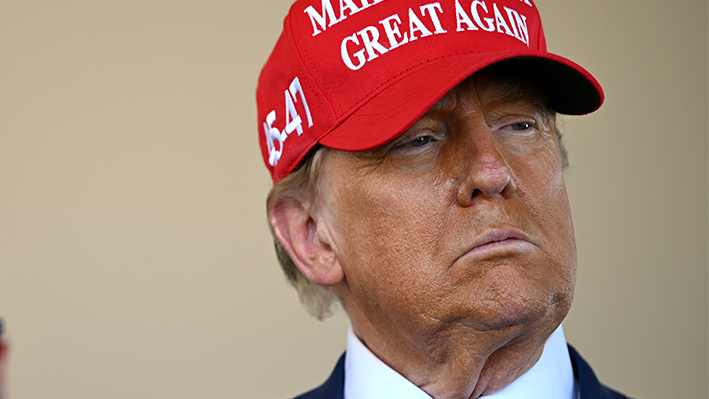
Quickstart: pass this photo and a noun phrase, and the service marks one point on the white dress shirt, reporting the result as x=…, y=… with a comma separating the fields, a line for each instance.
x=367, y=377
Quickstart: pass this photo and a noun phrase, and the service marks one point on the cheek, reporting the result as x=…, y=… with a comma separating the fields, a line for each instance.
x=544, y=194
x=394, y=215
x=388, y=235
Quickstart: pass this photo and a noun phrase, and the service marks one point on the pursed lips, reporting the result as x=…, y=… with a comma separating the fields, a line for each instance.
x=499, y=241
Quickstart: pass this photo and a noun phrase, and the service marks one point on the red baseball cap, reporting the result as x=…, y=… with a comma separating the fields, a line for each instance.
x=354, y=74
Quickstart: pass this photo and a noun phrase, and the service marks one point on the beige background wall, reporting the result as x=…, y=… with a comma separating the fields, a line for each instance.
x=134, y=255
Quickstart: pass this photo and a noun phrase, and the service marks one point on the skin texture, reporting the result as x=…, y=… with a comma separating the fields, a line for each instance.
x=451, y=248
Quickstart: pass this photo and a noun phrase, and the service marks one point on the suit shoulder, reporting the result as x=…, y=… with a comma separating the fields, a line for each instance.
x=333, y=387
x=588, y=384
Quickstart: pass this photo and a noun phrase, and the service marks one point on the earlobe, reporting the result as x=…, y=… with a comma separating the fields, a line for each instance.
x=297, y=230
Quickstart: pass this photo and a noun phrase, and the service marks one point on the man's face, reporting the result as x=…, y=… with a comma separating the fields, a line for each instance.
x=462, y=222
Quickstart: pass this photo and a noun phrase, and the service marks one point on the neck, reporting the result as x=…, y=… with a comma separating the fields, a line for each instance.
x=457, y=361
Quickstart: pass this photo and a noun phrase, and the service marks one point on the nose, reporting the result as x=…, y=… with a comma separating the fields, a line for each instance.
x=486, y=171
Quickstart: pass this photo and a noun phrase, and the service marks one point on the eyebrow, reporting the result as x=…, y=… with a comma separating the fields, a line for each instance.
x=515, y=89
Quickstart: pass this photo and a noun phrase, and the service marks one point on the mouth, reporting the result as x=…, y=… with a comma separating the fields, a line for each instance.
x=500, y=242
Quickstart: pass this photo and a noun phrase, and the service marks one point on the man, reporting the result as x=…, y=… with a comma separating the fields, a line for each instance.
x=418, y=180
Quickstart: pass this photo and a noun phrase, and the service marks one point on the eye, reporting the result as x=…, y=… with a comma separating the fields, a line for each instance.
x=519, y=126
x=419, y=141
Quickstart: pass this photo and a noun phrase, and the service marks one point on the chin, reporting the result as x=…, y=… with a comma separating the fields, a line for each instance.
x=511, y=300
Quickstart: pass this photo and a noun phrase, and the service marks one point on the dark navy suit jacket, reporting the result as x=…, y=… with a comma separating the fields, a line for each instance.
x=588, y=384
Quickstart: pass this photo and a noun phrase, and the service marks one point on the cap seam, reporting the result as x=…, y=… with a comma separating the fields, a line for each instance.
x=311, y=65
x=304, y=67
x=311, y=83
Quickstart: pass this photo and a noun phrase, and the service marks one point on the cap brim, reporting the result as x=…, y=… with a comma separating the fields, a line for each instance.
x=388, y=112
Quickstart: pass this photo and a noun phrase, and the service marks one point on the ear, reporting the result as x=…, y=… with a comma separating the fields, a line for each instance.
x=301, y=234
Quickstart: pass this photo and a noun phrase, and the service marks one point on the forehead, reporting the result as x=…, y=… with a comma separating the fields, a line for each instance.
x=496, y=85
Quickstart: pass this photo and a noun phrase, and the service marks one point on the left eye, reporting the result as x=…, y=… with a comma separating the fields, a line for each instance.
x=520, y=126
x=419, y=141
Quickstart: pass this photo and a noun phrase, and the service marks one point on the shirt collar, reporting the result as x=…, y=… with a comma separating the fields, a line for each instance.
x=367, y=377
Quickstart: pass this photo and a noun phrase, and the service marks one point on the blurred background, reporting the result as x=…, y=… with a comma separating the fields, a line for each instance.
x=135, y=260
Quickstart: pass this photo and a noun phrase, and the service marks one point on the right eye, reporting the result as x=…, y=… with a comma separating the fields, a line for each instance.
x=418, y=141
